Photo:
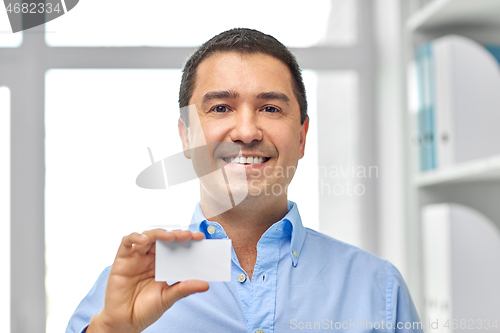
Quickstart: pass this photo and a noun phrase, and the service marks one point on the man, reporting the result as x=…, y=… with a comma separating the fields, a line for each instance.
x=247, y=90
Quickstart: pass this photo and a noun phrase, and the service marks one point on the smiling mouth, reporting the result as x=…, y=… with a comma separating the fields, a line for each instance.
x=246, y=160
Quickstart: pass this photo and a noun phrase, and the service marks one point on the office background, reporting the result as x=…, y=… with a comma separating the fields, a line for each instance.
x=82, y=97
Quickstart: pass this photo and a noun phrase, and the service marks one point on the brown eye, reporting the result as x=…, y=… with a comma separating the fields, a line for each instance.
x=270, y=109
x=220, y=109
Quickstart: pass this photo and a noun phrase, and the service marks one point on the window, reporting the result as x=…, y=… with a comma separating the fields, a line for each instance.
x=5, y=208
x=94, y=137
x=295, y=23
x=340, y=186
x=304, y=188
x=7, y=38
x=99, y=124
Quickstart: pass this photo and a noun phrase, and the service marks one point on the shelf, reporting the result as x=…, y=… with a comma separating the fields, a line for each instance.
x=445, y=13
x=481, y=170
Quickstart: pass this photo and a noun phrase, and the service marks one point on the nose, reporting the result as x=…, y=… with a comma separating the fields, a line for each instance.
x=246, y=126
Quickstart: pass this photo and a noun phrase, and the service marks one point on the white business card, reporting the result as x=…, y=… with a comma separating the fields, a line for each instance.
x=206, y=260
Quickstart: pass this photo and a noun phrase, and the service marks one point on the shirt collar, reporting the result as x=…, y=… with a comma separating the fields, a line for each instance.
x=291, y=224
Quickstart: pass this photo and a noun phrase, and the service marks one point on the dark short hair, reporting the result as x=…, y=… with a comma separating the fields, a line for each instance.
x=244, y=41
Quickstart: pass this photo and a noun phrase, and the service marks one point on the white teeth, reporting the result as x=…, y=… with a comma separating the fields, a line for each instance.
x=245, y=160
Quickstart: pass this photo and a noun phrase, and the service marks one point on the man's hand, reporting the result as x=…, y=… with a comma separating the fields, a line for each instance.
x=134, y=300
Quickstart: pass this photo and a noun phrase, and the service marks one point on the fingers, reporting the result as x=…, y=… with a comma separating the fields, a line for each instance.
x=172, y=236
x=128, y=242
x=198, y=235
x=144, y=243
x=180, y=290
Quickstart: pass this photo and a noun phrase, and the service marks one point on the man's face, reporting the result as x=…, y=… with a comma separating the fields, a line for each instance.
x=248, y=100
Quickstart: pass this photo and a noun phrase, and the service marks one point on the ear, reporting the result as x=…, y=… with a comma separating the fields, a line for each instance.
x=184, y=134
x=303, y=133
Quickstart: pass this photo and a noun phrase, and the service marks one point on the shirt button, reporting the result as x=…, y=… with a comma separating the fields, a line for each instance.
x=295, y=254
x=242, y=278
x=211, y=230
x=259, y=331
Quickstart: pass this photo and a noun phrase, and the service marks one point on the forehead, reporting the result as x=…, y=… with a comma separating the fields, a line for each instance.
x=251, y=73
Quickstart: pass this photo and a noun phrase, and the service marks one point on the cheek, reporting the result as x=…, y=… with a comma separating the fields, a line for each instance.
x=215, y=131
x=196, y=139
x=206, y=133
x=288, y=143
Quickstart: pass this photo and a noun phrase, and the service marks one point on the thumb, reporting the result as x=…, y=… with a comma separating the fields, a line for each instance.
x=178, y=290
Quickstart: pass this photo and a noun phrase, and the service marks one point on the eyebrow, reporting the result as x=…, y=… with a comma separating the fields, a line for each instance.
x=218, y=95
x=225, y=94
x=274, y=95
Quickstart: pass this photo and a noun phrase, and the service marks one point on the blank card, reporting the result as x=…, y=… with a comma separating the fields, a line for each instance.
x=206, y=260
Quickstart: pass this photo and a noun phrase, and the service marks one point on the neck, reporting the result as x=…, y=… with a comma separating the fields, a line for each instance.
x=245, y=224
x=253, y=216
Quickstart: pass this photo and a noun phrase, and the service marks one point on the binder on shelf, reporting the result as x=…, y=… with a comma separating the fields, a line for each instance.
x=431, y=105
x=459, y=93
x=419, y=68
x=494, y=50
x=467, y=100
x=437, y=263
x=425, y=72
x=413, y=108
x=461, y=248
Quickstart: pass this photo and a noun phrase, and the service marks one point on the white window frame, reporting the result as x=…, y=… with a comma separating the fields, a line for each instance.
x=23, y=71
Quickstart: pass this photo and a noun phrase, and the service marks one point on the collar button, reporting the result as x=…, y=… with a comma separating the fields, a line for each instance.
x=211, y=229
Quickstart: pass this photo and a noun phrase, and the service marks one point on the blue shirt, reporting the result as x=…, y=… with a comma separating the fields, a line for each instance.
x=302, y=280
